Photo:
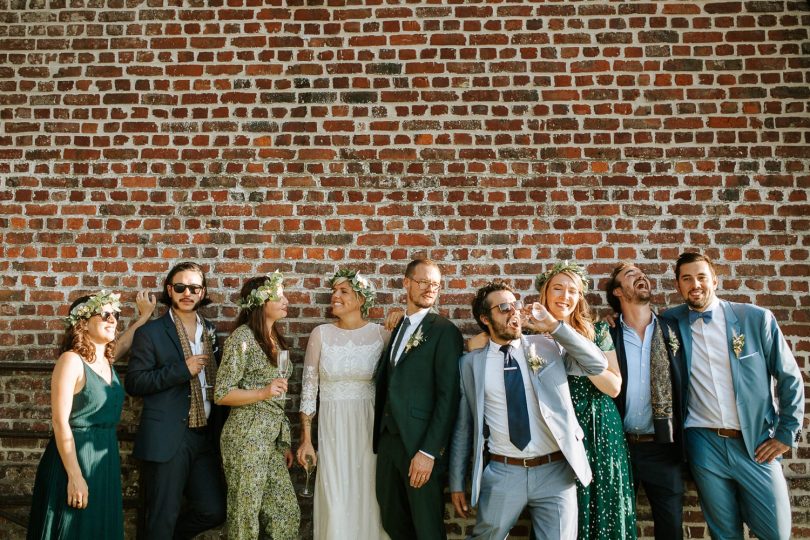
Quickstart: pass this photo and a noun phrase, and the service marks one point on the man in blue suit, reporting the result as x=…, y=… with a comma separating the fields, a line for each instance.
x=734, y=433
x=515, y=397
x=172, y=365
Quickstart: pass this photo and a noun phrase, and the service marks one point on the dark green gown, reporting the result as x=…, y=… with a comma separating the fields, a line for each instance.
x=607, y=507
x=93, y=420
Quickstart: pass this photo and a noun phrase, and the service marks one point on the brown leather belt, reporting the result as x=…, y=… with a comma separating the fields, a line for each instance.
x=528, y=462
x=727, y=433
x=635, y=438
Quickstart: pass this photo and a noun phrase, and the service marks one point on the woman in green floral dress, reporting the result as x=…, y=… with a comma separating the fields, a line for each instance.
x=256, y=437
x=606, y=506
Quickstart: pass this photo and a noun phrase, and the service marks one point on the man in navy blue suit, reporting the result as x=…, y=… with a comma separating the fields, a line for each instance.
x=172, y=366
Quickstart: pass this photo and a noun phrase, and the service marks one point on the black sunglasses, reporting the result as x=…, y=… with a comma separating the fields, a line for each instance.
x=506, y=307
x=109, y=316
x=180, y=288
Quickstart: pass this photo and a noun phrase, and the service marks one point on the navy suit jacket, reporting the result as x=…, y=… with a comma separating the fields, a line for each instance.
x=157, y=372
x=676, y=367
x=764, y=358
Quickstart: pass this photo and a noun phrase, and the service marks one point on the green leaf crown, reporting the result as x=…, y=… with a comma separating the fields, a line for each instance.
x=267, y=291
x=560, y=267
x=93, y=306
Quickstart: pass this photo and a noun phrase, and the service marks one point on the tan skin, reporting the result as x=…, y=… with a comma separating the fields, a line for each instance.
x=502, y=329
x=68, y=380
x=146, y=306
x=633, y=292
x=697, y=284
x=346, y=306
x=273, y=310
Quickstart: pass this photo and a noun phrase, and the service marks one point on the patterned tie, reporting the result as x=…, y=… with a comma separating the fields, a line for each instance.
x=405, y=324
x=695, y=315
x=516, y=409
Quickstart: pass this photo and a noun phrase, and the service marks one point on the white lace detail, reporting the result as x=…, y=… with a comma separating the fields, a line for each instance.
x=341, y=363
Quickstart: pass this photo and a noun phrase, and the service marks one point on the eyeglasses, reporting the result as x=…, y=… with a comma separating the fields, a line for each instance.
x=427, y=285
x=109, y=316
x=506, y=307
x=180, y=288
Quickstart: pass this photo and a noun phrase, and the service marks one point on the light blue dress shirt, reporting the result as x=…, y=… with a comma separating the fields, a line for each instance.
x=638, y=407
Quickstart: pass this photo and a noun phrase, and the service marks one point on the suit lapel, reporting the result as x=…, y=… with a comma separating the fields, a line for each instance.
x=732, y=329
x=425, y=325
x=686, y=336
x=479, y=376
x=171, y=331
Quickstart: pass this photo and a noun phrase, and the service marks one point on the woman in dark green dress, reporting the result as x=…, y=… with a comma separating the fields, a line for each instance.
x=77, y=492
x=606, y=506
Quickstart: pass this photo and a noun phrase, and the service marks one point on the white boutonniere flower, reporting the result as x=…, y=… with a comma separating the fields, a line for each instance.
x=212, y=335
x=416, y=339
x=535, y=361
x=673, y=345
x=737, y=343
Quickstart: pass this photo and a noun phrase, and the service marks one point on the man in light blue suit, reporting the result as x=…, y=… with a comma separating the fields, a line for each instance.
x=514, y=395
x=735, y=435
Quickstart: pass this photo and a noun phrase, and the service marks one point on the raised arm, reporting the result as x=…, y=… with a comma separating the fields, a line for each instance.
x=608, y=381
x=146, y=306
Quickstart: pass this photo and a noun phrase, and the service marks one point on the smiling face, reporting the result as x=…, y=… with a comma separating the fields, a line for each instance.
x=632, y=286
x=100, y=331
x=503, y=327
x=697, y=283
x=562, y=296
x=276, y=309
x=423, y=286
x=344, y=300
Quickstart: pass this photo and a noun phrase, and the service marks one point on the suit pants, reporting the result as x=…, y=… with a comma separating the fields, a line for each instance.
x=193, y=471
x=659, y=469
x=548, y=490
x=734, y=488
x=407, y=513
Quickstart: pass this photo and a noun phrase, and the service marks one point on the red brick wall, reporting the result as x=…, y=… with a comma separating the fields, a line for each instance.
x=491, y=137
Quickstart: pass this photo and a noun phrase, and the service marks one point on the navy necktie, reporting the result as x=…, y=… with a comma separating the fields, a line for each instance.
x=695, y=315
x=405, y=324
x=517, y=411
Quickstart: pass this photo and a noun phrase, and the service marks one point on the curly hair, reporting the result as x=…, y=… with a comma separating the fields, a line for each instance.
x=479, y=303
x=613, y=284
x=77, y=339
x=270, y=340
x=581, y=318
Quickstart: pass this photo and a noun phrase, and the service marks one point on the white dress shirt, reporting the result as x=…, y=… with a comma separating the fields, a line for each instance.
x=415, y=320
x=712, y=400
x=197, y=348
x=495, y=414
x=638, y=418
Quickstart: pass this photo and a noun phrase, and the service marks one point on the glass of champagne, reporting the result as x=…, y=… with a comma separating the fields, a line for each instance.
x=310, y=466
x=284, y=370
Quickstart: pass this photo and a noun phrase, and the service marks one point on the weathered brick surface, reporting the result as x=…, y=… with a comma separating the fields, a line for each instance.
x=493, y=137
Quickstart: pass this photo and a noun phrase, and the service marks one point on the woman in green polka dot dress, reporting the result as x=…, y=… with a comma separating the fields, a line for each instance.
x=606, y=506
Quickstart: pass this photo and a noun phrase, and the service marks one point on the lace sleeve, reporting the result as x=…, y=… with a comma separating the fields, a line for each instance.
x=312, y=359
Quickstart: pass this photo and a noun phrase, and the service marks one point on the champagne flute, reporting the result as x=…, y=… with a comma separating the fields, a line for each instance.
x=284, y=370
x=310, y=466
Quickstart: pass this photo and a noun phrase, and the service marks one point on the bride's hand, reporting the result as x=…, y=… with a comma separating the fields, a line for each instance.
x=393, y=318
x=306, y=449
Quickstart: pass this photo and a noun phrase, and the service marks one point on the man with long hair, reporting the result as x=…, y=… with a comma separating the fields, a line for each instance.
x=172, y=365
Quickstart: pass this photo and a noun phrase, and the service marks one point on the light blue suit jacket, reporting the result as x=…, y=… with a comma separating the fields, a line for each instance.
x=550, y=384
x=765, y=357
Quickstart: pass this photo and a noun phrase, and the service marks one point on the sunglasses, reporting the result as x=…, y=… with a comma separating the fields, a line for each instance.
x=180, y=288
x=506, y=307
x=110, y=316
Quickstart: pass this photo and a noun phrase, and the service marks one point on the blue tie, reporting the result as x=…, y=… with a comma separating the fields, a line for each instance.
x=517, y=411
x=695, y=315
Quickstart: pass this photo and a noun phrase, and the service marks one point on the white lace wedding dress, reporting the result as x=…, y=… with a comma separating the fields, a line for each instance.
x=340, y=365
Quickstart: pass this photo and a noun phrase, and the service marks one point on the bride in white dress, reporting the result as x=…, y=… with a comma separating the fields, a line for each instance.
x=340, y=361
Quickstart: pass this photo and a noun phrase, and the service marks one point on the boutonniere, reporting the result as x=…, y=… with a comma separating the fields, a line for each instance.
x=536, y=362
x=737, y=343
x=673, y=345
x=416, y=339
x=212, y=335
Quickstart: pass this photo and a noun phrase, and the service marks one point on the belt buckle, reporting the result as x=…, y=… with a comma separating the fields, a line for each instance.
x=719, y=434
x=526, y=462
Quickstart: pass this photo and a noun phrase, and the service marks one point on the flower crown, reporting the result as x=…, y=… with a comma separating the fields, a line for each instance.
x=93, y=306
x=264, y=292
x=560, y=267
x=359, y=284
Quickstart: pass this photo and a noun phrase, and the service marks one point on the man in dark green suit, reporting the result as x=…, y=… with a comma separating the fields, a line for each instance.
x=415, y=408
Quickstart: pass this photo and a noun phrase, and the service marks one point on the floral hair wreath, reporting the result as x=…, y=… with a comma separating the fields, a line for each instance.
x=559, y=268
x=93, y=306
x=359, y=284
x=264, y=292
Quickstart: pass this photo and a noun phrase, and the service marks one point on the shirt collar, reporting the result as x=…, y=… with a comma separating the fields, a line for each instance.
x=515, y=343
x=417, y=318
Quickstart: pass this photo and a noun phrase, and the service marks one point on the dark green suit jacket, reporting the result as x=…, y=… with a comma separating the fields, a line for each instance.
x=423, y=388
